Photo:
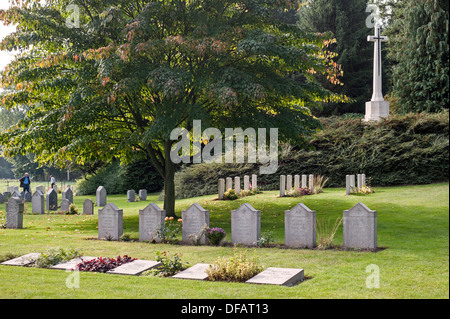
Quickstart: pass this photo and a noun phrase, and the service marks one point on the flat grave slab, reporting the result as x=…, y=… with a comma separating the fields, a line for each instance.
x=69, y=265
x=22, y=260
x=278, y=276
x=196, y=272
x=135, y=267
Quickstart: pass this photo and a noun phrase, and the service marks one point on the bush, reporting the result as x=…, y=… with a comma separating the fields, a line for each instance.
x=171, y=264
x=237, y=268
x=230, y=195
x=103, y=264
x=54, y=256
x=215, y=235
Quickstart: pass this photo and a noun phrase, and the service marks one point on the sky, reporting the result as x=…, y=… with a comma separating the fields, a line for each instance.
x=5, y=56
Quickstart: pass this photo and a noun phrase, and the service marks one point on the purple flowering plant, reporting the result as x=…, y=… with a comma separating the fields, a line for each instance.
x=215, y=235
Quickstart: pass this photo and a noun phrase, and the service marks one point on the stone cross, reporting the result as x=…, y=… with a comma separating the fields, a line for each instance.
x=377, y=108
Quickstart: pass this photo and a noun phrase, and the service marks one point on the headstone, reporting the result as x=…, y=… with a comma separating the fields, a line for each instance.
x=237, y=185
x=304, y=181
x=150, y=220
x=88, y=207
x=282, y=185
x=196, y=272
x=246, y=183
x=51, y=200
x=254, y=182
x=229, y=183
x=300, y=227
x=65, y=205
x=360, y=227
x=2, y=198
x=71, y=264
x=245, y=225
x=110, y=222
x=297, y=181
x=14, y=213
x=194, y=219
x=278, y=276
x=135, y=267
x=38, y=202
x=10, y=189
x=363, y=180
x=311, y=183
x=359, y=179
x=101, y=196
x=22, y=260
x=288, y=183
x=27, y=197
x=68, y=194
x=131, y=196
x=142, y=195
x=352, y=182
x=221, y=188
x=377, y=108
x=348, y=188
x=55, y=187
x=16, y=193
x=41, y=188
x=6, y=196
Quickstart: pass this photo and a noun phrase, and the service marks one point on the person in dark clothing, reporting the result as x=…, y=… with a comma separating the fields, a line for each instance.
x=25, y=182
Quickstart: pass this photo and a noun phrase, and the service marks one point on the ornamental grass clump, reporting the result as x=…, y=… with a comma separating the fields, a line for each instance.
x=237, y=268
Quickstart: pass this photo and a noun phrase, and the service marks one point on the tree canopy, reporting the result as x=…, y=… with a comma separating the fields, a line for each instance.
x=115, y=80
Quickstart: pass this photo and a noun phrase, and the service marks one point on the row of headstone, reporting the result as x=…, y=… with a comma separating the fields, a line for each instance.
x=350, y=184
x=307, y=181
x=360, y=225
x=101, y=195
x=225, y=185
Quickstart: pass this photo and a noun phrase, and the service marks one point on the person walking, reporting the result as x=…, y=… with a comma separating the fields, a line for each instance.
x=52, y=181
x=25, y=182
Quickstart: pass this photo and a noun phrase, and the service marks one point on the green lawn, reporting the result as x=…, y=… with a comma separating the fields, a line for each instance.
x=413, y=226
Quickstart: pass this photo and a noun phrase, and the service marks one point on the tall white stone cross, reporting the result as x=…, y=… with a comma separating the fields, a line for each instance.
x=377, y=108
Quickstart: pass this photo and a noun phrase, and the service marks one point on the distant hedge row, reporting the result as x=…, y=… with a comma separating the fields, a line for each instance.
x=404, y=149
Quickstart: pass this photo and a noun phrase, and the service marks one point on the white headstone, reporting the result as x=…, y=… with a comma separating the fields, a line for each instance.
x=237, y=185
x=14, y=213
x=194, y=219
x=38, y=203
x=142, y=194
x=88, y=207
x=110, y=222
x=254, y=182
x=221, y=188
x=360, y=227
x=245, y=225
x=300, y=227
x=101, y=196
x=131, y=196
x=297, y=181
x=246, y=183
x=288, y=183
x=151, y=218
x=282, y=185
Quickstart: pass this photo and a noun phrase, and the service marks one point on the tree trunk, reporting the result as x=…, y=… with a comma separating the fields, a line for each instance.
x=169, y=183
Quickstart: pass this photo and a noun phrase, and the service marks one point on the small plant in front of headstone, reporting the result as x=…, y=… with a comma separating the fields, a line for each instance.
x=169, y=231
x=230, y=195
x=326, y=232
x=236, y=268
x=215, y=235
x=125, y=237
x=55, y=256
x=298, y=192
x=73, y=210
x=266, y=239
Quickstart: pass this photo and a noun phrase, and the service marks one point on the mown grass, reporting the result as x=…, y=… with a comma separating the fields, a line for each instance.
x=413, y=226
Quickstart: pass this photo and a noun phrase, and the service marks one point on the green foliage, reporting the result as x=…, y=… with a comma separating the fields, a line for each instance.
x=169, y=231
x=266, y=239
x=404, y=149
x=55, y=256
x=419, y=49
x=171, y=264
x=73, y=210
x=236, y=268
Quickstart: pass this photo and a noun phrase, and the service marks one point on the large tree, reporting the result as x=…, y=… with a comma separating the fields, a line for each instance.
x=346, y=19
x=419, y=51
x=116, y=81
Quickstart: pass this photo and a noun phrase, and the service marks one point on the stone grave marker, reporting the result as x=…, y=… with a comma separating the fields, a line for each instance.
x=194, y=219
x=229, y=183
x=27, y=197
x=246, y=183
x=359, y=179
x=288, y=183
x=254, y=182
x=282, y=185
x=65, y=205
x=360, y=227
x=68, y=194
x=41, y=188
x=2, y=198
x=311, y=183
x=143, y=195
x=237, y=185
x=70, y=265
x=100, y=196
x=14, y=213
x=22, y=260
x=278, y=276
x=134, y=268
x=151, y=218
x=304, y=181
x=348, y=189
x=88, y=207
x=131, y=196
x=38, y=202
x=300, y=227
x=51, y=200
x=221, y=188
x=110, y=222
x=196, y=272
x=245, y=225
x=297, y=181
x=6, y=196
